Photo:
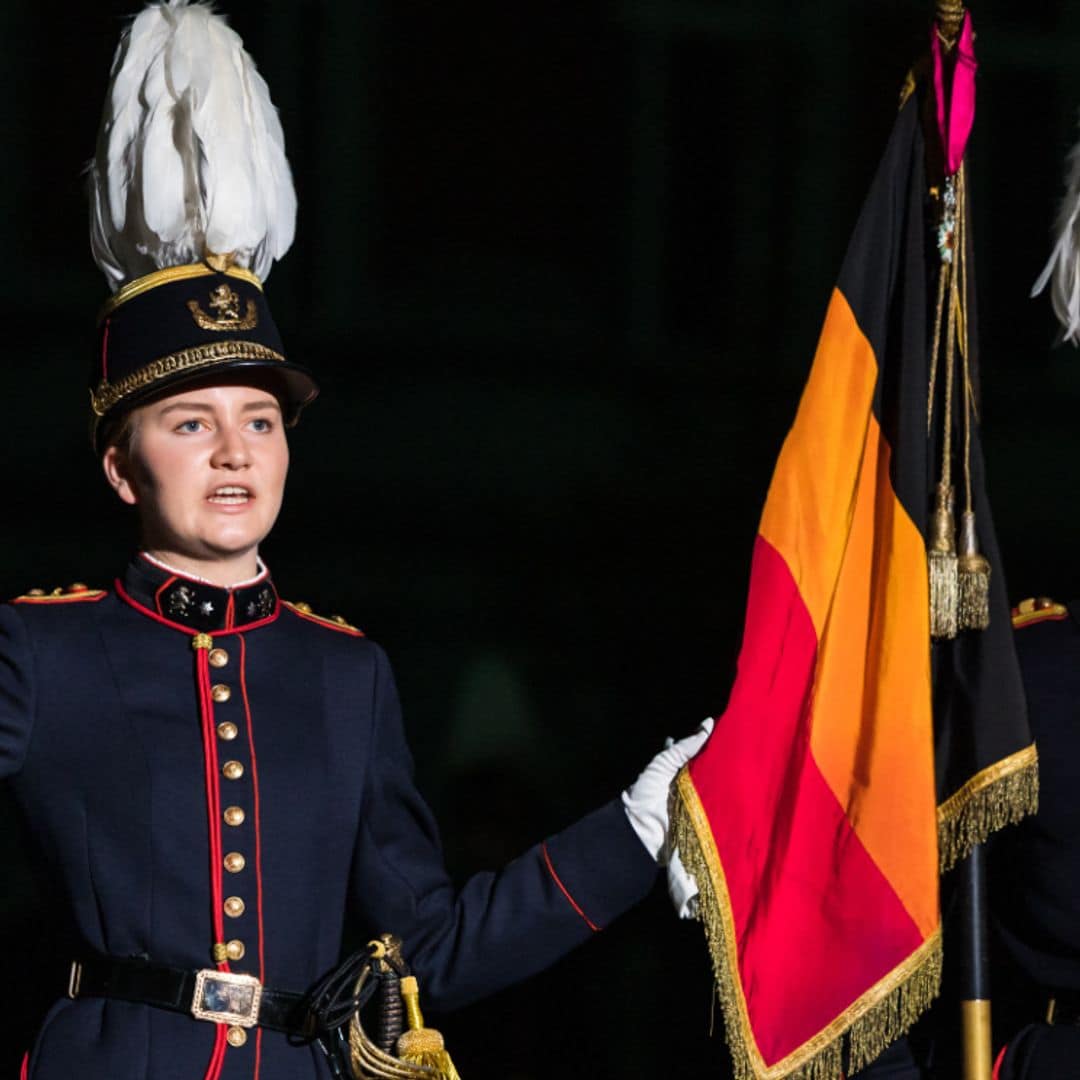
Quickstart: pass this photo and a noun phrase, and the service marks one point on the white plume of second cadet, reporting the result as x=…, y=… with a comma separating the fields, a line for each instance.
x=191, y=156
x=1063, y=269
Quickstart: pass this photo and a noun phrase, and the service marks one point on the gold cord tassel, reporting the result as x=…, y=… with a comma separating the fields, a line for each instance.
x=941, y=553
x=974, y=579
x=974, y=567
x=944, y=575
x=422, y=1045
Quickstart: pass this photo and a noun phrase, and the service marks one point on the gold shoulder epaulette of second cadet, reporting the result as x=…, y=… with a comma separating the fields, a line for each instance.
x=73, y=594
x=1035, y=610
x=334, y=622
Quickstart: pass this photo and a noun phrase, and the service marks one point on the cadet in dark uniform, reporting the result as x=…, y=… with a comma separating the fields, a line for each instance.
x=213, y=775
x=1034, y=876
x=1035, y=866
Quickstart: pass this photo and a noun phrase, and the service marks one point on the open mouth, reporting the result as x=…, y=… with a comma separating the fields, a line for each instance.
x=230, y=495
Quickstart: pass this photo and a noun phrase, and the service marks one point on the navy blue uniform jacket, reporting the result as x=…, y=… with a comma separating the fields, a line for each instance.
x=1036, y=864
x=101, y=737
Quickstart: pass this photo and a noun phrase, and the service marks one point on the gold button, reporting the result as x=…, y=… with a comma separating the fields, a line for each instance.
x=234, y=816
x=218, y=658
x=234, y=907
x=233, y=770
x=301, y=606
x=227, y=731
x=36, y=592
x=78, y=587
x=235, y=950
x=220, y=693
x=234, y=862
x=236, y=1036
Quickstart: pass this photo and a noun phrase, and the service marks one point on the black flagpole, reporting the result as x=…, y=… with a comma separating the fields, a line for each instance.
x=972, y=945
x=973, y=953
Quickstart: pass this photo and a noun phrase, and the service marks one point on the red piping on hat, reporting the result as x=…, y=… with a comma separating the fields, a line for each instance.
x=105, y=351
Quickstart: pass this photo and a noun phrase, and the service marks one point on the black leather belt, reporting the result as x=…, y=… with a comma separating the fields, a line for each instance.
x=216, y=996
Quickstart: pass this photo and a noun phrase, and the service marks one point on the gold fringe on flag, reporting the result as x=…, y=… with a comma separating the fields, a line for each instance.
x=879, y=1017
x=1002, y=794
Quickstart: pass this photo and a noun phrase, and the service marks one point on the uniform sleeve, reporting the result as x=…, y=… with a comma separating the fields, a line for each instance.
x=16, y=692
x=501, y=926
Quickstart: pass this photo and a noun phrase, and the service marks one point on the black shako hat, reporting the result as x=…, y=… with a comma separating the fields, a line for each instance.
x=191, y=203
x=184, y=323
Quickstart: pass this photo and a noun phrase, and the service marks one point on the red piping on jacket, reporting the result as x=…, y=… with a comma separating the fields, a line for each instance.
x=157, y=595
x=213, y=813
x=566, y=892
x=189, y=630
x=258, y=834
x=24, y=1072
x=217, y=1058
x=1000, y=1061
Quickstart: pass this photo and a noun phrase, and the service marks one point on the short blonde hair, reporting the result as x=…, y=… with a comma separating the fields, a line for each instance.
x=121, y=432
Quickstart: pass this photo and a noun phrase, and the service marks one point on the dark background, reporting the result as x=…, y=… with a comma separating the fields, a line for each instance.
x=561, y=267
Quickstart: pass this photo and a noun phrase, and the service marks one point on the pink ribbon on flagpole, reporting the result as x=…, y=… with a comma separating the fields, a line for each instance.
x=956, y=116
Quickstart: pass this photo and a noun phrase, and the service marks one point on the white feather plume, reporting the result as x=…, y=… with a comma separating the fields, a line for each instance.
x=1062, y=271
x=191, y=156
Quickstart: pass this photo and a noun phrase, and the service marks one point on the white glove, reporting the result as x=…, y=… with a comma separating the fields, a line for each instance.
x=646, y=800
x=681, y=887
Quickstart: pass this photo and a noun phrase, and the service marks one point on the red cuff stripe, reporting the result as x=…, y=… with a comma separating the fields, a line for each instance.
x=573, y=903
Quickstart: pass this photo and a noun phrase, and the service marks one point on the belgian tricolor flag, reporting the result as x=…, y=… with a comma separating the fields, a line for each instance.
x=855, y=760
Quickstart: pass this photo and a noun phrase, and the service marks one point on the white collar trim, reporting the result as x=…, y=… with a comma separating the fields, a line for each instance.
x=162, y=565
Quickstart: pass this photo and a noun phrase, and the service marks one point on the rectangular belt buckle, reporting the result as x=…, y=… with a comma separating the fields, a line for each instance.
x=224, y=998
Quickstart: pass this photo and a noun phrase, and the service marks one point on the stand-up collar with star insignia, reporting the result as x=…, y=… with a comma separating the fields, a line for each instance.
x=196, y=604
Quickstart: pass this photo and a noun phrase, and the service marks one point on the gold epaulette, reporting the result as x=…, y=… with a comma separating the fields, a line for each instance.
x=334, y=622
x=1035, y=610
x=73, y=594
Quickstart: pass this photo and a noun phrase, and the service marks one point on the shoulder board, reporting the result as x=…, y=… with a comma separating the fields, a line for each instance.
x=73, y=594
x=334, y=622
x=1036, y=610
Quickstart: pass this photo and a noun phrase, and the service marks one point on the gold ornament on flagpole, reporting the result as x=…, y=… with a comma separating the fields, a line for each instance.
x=950, y=17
